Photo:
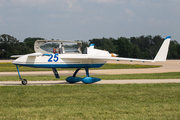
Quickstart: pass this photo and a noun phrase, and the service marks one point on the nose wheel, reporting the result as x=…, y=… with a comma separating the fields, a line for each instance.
x=23, y=81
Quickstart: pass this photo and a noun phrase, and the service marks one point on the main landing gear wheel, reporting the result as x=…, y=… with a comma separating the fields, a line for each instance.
x=24, y=81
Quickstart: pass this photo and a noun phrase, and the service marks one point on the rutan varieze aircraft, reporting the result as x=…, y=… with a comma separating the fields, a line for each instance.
x=67, y=54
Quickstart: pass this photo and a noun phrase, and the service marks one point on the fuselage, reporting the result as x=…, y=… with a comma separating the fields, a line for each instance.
x=56, y=61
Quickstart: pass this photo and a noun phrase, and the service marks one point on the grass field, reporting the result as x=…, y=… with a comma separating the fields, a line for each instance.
x=171, y=75
x=79, y=102
x=9, y=67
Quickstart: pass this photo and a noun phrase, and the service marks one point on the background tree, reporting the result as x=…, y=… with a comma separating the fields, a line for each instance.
x=104, y=44
x=124, y=47
x=30, y=42
x=8, y=46
x=174, y=50
x=145, y=47
x=84, y=45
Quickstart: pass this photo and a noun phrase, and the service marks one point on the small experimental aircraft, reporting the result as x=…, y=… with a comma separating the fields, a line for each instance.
x=67, y=54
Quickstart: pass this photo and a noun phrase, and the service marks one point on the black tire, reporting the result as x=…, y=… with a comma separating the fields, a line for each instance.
x=24, y=81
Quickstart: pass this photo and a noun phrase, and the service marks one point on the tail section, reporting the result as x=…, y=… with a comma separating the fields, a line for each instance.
x=163, y=51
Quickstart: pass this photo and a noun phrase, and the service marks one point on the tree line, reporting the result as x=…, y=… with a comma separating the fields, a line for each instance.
x=142, y=47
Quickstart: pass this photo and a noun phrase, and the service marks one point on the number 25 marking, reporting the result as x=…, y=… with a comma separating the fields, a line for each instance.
x=55, y=58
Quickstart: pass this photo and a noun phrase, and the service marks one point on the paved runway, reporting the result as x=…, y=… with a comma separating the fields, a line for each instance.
x=168, y=66
x=17, y=83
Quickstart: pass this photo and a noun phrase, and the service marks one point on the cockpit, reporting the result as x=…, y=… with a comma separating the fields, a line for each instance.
x=57, y=46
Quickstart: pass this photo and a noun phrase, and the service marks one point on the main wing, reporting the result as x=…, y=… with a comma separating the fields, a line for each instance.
x=104, y=58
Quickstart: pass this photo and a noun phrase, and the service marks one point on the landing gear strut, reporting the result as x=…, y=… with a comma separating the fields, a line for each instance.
x=23, y=81
x=88, y=79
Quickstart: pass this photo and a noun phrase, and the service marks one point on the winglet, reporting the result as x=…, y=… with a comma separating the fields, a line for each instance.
x=163, y=51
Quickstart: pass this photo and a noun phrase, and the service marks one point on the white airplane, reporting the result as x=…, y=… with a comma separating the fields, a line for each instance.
x=67, y=56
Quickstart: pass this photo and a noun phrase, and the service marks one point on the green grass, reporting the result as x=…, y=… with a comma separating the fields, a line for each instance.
x=79, y=102
x=9, y=67
x=171, y=75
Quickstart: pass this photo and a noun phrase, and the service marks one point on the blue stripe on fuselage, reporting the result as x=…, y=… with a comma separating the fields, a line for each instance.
x=62, y=65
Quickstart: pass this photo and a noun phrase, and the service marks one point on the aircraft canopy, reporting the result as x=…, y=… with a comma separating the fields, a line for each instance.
x=61, y=47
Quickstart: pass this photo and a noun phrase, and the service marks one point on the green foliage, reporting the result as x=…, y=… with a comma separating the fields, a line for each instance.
x=144, y=47
x=12, y=46
x=174, y=50
x=84, y=45
x=30, y=42
x=124, y=47
x=104, y=44
x=171, y=75
x=101, y=102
